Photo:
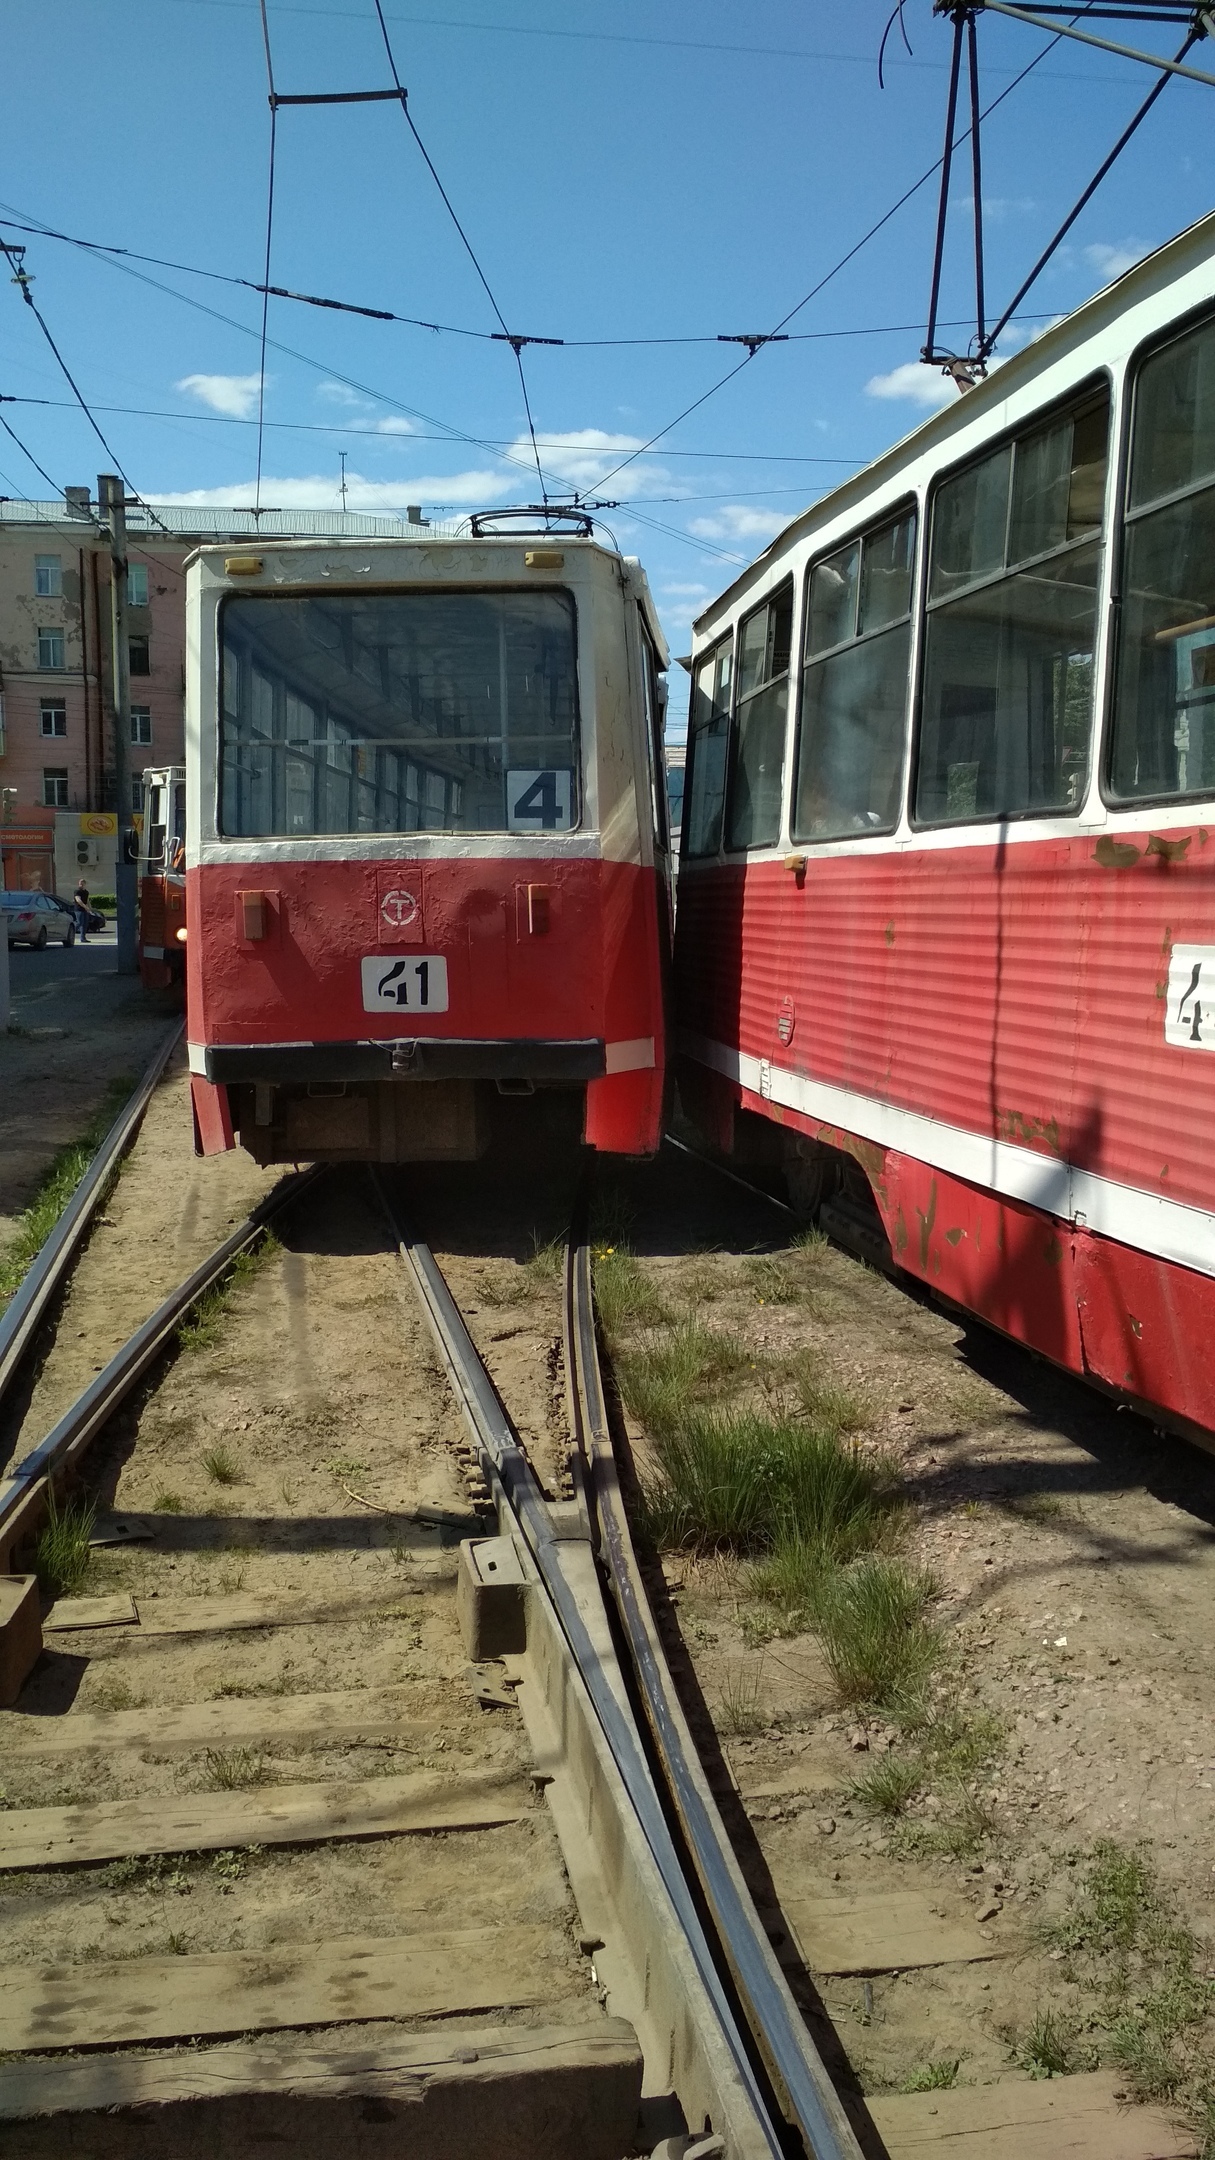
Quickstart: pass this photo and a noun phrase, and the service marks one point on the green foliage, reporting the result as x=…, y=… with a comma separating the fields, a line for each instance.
x=62, y=1557
x=741, y=1710
x=886, y=1790
x=202, y=1331
x=168, y=1503
x=233, y=1769
x=67, y=1168
x=746, y=1483
x=933, y=2077
x=547, y=1260
x=872, y=1627
x=222, y=1466
x=684, y=1365
x=623, y=1293
x=1047, y=2050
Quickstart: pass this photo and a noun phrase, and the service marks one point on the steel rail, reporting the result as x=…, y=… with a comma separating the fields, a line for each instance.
x=30, y=1301
x=83, y=1420
x=775, y=2021
x=505, y=1466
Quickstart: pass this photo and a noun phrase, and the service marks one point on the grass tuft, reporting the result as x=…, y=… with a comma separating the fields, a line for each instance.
x=168, y=1503
x=933, y=2077
x=687, y=1364
x=202, y=1330
x=749, y=1484
x=233, y=1769
x=222, y=1466
x=623, y=1292
x=742, y=1711
x=1047, y=2050
x=547, y=1260
x=887, y=1789
x=62, y=1557
x=870, y=1620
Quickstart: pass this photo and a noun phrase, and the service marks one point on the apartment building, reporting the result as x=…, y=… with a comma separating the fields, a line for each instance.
x=56, y=669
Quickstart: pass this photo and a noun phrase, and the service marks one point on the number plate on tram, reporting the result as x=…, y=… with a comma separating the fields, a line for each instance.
x=413, y=984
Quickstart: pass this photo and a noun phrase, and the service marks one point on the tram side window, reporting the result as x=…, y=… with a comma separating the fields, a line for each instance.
x=399, y=712
x=708, y=738
x=854, y=686
x=1014, y=564
x=757, y=744
x=1163, y=741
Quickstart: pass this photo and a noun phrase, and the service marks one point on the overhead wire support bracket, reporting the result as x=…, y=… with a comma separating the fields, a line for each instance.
x=339, y=97
x=1200, y=19
x=507, y=337
x=752, y=339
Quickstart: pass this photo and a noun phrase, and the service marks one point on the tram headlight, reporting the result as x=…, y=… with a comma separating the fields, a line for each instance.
x=181, y=935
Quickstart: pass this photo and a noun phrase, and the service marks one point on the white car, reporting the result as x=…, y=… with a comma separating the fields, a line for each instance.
x=33, y=917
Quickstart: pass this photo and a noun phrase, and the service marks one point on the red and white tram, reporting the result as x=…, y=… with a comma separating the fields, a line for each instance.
x=426, y=858
x=946, y=929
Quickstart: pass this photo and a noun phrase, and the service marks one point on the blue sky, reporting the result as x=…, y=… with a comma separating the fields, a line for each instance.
x=678, y=170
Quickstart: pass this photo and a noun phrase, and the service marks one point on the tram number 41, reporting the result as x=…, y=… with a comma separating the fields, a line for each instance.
x=417, y=984
x=539, y=801
x=1189, y=1014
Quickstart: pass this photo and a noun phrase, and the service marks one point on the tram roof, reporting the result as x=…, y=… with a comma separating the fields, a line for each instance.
x=1149, y=278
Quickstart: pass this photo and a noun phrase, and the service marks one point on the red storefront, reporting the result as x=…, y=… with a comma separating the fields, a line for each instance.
x=27, y=850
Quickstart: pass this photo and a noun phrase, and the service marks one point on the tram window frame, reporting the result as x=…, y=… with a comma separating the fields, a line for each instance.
x=858, y=640
x=374, y=774
x=716, y=729
x=1130, y=517
x=653, y=710
x=1095, y=390
x=747, y=708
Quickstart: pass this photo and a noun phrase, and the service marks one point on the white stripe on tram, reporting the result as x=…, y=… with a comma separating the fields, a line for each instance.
x=1166, y=1228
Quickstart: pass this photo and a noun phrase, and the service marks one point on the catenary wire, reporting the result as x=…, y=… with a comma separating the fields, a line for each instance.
x=826, y=279
x=516, y=344
x=21, y=278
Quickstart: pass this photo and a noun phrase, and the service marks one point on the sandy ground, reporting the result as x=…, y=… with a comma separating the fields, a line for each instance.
x=76, y=1026
x=1074, y=1552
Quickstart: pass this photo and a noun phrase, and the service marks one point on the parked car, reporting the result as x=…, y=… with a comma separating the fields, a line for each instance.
x=34, y=917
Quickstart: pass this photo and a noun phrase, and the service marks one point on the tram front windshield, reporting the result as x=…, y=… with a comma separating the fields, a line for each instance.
x=398, y=712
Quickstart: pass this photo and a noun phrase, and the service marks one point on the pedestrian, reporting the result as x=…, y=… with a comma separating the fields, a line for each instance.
x=83, y=910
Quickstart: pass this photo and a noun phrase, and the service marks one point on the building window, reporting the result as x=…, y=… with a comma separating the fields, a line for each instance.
x=54, y=719
x=137, y=585
x=48, y=577
x=50, y=648
x=137, y=794
x=141, y=660
x=54, y=787
x=141, y=724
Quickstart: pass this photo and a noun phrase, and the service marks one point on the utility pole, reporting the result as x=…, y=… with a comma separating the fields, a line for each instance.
x=112, y=503
x=342, y=490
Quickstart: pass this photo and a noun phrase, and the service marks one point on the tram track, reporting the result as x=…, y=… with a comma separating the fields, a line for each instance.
x=658, y=1960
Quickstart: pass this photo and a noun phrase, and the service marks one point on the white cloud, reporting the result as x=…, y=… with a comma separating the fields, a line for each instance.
x=340, y=393
x=1112, y=262
x=915, y=383
x=394, y=427
x=694, y=593
x=320, y=492
x=580, y=457
x=233, y=395
x=737, y=521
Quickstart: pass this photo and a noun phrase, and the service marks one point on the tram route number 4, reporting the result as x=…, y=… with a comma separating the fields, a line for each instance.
x=1189, y=1015
x=413, y=984
x=539, y=801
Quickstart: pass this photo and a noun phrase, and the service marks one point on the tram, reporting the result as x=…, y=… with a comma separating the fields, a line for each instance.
x=945, y=949
x=162, y=879
x=426, y=847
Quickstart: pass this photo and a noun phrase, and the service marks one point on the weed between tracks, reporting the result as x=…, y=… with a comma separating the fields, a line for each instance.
x=201, y=1331
x=67, y=1168
x=63, y=1557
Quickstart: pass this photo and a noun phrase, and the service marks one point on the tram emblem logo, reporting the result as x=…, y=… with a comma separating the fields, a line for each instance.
x=1189, y=1013
x=399, y=908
